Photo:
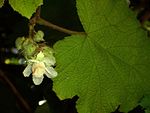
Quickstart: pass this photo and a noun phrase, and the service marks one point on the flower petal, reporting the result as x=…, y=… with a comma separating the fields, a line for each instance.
x=50, y=72
x=37, y=80
x=28, y=70
x=49, y=61
x=38, y=69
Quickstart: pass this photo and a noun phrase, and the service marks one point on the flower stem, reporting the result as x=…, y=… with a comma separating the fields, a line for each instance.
x=58, y=28
x=36, y=19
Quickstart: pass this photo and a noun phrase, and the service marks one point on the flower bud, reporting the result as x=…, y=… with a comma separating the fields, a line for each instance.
x=19, y=42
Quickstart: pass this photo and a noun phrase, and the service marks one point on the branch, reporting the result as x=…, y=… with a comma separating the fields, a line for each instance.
x=58, y=28
x=33, y=21
x=16, y=93
x=38, y=20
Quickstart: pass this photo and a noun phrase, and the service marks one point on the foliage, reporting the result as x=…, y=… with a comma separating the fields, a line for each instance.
x=109, y=66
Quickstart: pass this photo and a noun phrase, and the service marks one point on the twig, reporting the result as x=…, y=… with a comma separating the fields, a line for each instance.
x=58, y=28
x=33, y=21
x=38, y=20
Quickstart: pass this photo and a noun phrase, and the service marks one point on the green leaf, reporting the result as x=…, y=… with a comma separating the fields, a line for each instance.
x=1, y=3
x=108, y=67
x=145, y=103
x=25, y=7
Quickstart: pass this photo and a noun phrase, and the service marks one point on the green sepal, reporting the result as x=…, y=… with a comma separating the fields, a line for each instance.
x=48, y=52
x=38, y=37
x=19, y=41
x=40, y=56
x=29, y=47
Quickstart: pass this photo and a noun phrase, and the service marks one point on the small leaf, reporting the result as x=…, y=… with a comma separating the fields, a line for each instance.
x=25, y=7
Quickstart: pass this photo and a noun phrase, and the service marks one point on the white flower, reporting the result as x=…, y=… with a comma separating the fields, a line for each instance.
x=40, y=66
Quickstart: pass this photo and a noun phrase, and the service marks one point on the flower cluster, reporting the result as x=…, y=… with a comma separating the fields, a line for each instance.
x=39, y=57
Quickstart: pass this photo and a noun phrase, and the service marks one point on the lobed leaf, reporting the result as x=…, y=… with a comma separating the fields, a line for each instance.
x=108, y=67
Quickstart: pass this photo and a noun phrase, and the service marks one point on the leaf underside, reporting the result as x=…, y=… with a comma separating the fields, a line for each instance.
x=108, y=67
